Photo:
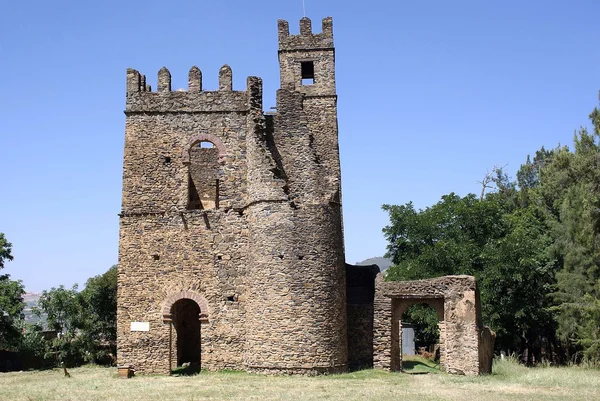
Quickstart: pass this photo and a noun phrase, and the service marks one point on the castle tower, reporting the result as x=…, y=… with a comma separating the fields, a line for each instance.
x=183, y=245
x=230, y=249
x=296, y=315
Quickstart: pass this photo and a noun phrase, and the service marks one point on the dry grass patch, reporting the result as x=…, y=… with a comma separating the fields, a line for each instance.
x=510, y=382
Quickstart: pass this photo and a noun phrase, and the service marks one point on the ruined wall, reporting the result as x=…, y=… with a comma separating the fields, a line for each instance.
x=456, y=301
x=486, y=350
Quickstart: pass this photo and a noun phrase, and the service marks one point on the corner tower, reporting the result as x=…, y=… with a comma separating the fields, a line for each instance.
x=307, y=61
x=307, y=67
x=297, y=311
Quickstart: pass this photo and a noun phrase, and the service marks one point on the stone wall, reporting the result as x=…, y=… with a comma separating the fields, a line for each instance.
x=486, y=350
x=246, y=236
x=456, y=301
x=261, y=250
x=360, y=292
x=204, y=180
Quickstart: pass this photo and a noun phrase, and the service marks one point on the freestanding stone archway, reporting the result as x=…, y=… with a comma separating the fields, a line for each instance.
x=465, y=345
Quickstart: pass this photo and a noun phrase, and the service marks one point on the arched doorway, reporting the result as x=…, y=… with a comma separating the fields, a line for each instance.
x=186, y=321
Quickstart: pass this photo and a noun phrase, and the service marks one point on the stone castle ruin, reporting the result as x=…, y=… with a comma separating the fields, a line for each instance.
x=231, y=252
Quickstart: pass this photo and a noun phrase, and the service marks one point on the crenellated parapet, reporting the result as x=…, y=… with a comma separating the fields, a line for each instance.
x=141, y=98
x=306, y=39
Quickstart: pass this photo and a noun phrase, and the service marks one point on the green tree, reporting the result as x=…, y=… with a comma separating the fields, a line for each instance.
x=11, y=301
x=99, y=316
x=34, y=349
x=502, y=245
x=514, y=285
x=5, y=250
x=576, y=229
x=424, y=320
x=446, y=238
x=63, y=312
x=533, y=244
x=11, y=311
x=86, y=321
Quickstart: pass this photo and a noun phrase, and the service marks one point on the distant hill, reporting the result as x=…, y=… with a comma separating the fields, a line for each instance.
x=380, y=261
x=31, y=300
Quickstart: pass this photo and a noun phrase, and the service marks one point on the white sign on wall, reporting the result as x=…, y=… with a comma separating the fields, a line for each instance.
x=140, y=326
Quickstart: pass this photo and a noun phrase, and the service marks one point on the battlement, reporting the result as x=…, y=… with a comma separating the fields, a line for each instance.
x=141, y=98
x=306, y=40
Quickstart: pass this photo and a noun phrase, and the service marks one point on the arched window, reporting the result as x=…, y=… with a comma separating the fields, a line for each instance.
x=203, y=176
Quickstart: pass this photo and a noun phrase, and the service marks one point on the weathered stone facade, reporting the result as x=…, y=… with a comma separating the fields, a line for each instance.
x=465, y=345
x=231, y=249
x=360, y=292
x=238, y=212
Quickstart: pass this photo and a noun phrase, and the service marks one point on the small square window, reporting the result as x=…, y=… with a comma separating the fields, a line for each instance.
x=307, y=70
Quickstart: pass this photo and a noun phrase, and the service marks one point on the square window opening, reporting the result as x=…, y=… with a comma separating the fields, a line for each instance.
x=307, y=70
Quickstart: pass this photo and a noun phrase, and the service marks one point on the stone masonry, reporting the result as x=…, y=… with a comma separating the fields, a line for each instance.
x=232, y=218
x=465, y=345
x=231, y=250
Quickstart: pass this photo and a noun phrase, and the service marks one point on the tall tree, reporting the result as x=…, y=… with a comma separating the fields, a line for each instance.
x=63, y=311
x=534, y=245
x=99, y=316
x=11, y=301
x=5, y=250
x=577, y=233
x=492, y=239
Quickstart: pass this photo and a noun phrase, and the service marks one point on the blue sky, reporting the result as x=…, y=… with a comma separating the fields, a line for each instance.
x=432, y=95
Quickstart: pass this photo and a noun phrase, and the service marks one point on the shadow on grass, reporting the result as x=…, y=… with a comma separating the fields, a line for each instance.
x=419, y=366
x=186, y=371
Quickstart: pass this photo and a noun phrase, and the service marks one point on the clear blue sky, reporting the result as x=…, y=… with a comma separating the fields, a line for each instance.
x=432, y=94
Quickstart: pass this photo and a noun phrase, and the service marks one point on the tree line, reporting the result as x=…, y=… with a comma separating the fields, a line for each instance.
x=532, y=242
x=80, y=325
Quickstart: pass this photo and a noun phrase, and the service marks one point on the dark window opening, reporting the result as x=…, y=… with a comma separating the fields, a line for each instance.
x=231, y=298
x=193, y=196
x=307, y=70
x=156, y=257
x=217, y=193
x=167, y=160
x=203, y=177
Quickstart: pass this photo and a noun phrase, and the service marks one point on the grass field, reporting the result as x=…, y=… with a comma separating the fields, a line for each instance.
x=509, y=382
x=418, y=365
